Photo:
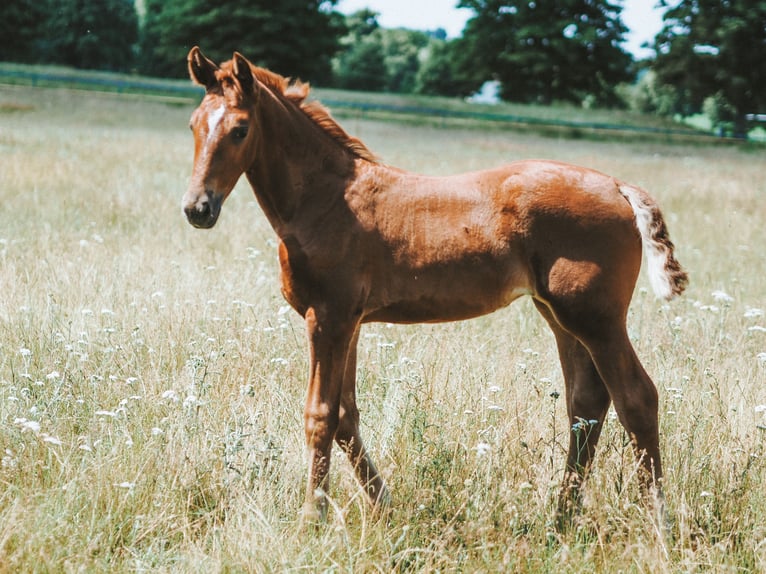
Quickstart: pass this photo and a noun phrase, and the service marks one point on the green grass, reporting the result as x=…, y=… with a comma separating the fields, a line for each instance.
x=560, y=120
x=152, y=380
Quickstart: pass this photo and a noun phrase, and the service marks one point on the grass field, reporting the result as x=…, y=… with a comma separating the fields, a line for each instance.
x=152, y=378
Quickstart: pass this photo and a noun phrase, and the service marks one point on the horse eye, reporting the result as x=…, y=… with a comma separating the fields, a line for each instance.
x=239, y=133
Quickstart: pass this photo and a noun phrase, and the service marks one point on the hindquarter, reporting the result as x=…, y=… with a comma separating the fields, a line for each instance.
x=585, y=261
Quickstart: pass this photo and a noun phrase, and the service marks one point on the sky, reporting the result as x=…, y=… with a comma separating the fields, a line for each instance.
x=639, y=16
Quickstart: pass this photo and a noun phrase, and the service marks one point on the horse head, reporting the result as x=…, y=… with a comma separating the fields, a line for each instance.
x=224, y=134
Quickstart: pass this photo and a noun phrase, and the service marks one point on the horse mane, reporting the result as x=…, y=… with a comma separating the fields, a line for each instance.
x=296, y=92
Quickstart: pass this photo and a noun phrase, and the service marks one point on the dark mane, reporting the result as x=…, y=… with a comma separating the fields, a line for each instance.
x=296, y=92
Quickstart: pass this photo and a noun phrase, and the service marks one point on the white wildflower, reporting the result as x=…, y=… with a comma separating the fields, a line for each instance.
x=482, y=448
x=25, y=352
x=51, y=439
x=752, y=312
x=170, y=395
x=27, y=425
x=191, y=401
x=9, y=461
x=722, y=296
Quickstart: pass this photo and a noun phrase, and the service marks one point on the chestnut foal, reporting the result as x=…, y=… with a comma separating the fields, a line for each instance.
x=361, y=241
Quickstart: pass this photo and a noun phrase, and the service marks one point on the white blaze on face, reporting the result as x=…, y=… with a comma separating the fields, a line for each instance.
x=214, y=121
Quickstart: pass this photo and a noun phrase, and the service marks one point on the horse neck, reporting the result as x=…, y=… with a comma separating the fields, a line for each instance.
x=296, y=163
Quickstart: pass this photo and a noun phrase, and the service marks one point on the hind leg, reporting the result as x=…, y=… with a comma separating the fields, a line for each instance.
x=603, y=333
x=587, y=402
x=635, y=400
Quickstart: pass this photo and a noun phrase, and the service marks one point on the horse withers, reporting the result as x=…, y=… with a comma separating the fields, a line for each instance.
x=361, y=241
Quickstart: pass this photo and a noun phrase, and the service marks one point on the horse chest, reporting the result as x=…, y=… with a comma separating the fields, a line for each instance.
x=303, y=282
x=294, y=275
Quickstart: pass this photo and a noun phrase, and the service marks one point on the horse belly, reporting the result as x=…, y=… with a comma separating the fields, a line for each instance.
x=446, y=293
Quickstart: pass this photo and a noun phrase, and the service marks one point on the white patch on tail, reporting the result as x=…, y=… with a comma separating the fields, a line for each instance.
x=656, y=253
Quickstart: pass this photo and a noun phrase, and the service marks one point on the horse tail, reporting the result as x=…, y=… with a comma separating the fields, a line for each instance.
x=666, y=275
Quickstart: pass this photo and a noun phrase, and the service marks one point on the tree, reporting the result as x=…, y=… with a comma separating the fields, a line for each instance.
x=448, y=70
x=363, y=67
x=714, y=50
x=95, y=34
x=21, y=28
x=361, y=63
x=401, y=53
x=543, y=51
x=292, y=37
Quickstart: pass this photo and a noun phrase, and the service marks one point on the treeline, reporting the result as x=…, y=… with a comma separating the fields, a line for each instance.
x=709, y=53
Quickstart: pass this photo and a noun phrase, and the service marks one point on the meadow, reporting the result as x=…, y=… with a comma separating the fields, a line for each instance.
x=152, y=377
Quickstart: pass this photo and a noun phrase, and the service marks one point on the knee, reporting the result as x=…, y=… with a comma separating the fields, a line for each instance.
x=320, y=425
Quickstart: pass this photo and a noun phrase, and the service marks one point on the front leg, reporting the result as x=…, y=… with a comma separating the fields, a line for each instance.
x=349, y=438
x=330, y=338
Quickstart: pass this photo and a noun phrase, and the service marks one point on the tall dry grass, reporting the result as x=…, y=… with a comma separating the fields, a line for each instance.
x=152, y=379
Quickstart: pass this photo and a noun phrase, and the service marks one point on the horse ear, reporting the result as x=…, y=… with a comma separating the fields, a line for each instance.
x=243, y=73
x=201, y=69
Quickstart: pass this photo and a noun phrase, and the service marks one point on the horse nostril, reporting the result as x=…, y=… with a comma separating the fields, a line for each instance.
x=204, y=211
x=203, y=208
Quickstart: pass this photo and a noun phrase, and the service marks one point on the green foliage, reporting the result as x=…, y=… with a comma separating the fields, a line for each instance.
x=448, y=71
x=361, y=64
x=378, y=59
x=292, y=37
x=714, y=48
x=721, y=114
x=396, y=60
x=97, y=34
x=21, y=30
x=402, y=51
x=92, y=34
x=547, y=51
x=651, y=97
